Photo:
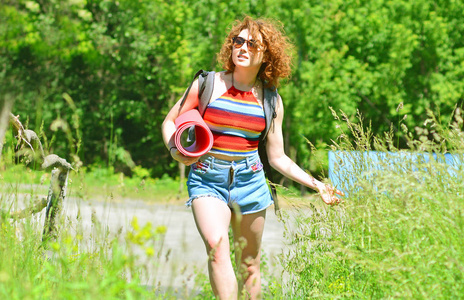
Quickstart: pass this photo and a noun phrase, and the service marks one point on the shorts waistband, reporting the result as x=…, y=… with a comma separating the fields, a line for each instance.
x=221, y=163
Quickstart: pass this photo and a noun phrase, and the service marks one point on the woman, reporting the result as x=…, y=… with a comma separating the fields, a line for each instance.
x=227, y=186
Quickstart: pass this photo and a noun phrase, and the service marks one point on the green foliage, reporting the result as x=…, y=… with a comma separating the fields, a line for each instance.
x=369, y=56
x=124, y=64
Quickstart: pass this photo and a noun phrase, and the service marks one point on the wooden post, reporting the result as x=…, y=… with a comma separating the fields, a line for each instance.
x=58, y=183
x=56, y=195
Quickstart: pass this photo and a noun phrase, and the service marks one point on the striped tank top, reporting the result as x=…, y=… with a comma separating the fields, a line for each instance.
x=236, y=120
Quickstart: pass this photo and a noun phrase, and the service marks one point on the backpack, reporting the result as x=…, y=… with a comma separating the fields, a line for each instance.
x=205, y=90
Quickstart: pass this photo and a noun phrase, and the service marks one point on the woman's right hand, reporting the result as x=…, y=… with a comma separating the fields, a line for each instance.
x=327, y=193
x=186, y=160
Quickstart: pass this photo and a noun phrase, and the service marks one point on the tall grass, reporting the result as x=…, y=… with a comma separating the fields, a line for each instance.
x=83, y=262
x=397, y=236
x=77, y=265
x=399, y=233
x=88, y=259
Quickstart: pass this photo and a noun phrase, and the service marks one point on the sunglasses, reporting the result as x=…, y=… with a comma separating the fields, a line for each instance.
x=251, y=44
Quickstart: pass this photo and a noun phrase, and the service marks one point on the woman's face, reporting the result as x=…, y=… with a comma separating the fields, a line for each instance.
x=247, y=51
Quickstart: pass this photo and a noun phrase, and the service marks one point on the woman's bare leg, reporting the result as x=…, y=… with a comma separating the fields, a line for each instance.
x=212, y=217
x=249, y=228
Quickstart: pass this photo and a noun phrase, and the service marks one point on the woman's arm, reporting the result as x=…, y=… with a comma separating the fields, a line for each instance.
x=282, y=163
x=169, y=128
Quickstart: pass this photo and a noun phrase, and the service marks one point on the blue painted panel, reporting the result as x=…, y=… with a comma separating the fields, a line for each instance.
x=348, y=167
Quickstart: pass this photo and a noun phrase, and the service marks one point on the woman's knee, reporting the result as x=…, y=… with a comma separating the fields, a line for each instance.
x=217, y=248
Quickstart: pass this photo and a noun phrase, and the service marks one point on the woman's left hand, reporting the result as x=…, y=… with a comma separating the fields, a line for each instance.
x=328, y=194
x=186, y=160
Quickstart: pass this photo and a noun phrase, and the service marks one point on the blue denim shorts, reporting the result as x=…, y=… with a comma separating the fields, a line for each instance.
x=241, y=182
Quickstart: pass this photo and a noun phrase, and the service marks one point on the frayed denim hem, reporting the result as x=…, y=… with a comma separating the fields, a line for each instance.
x=258, y=210
x=190, y=200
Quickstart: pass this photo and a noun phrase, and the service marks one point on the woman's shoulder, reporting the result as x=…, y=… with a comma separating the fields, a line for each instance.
x=221, y=78
x=221, y=84
x=221, y=75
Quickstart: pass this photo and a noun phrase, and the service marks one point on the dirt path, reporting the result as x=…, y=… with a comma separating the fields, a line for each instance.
x=183, y=252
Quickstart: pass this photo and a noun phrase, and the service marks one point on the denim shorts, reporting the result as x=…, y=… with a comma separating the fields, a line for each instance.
x=241, y=182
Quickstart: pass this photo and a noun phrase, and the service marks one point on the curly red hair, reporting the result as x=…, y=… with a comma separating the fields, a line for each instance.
x=277, y=59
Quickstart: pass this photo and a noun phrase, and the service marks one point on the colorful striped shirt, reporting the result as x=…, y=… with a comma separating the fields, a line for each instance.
x=236, y=120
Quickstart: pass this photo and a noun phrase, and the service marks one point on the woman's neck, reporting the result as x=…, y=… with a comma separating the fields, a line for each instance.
x=244, y=79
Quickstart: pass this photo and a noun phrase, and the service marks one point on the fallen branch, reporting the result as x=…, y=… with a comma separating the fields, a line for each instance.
x=21, y=214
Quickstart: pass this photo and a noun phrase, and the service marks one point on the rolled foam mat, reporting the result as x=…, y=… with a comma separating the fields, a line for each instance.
x=203, y=136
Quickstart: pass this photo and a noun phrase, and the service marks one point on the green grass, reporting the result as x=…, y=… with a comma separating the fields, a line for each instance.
x=75, y=266
x=95, y=184
x=398, y=235
x=103, y=182
x=87, y=265
x=92, y=265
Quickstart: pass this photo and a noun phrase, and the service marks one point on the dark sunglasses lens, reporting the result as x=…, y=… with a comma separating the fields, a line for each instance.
x=251, y=44
x=238, y=42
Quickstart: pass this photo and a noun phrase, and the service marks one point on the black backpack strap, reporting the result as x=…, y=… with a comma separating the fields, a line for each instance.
x=200, y=72
x=268, y=171
x=205, y=90
x=270, y=104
